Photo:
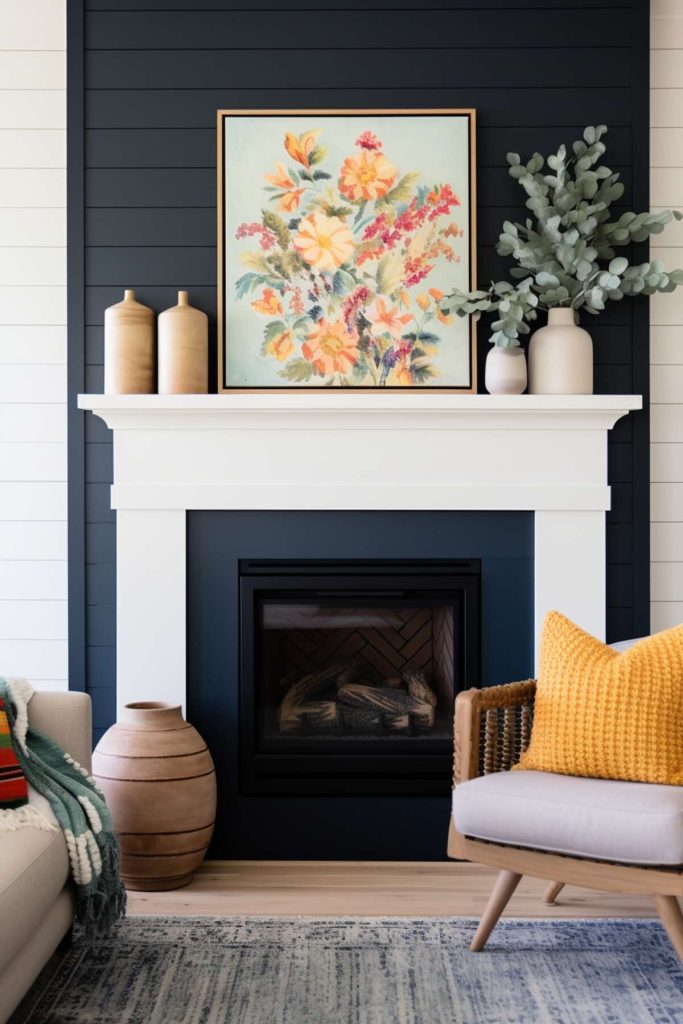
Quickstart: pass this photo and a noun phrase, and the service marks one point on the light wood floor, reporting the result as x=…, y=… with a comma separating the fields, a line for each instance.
x=368, y=889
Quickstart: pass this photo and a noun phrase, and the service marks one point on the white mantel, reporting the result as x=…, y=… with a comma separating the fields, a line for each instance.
x=546, y=454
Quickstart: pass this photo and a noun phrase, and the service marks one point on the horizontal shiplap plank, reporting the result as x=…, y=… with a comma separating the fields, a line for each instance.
x=31, y=620
x=666, y=542
x=667, y=308
x=196, y=147
x=33, y=149
x=196, y=108
x=434, y=68
x=666, y=71
x=666, y=423
x=666, y=144
x=666, y=345
x=33, y=266
x=666, y=384
x=666, y=187
x=25, y=305
x=28, y=187
x=666, y=581
x=31, y=69
x=672, y=236
x=33, y=581
x=34, y=500
x=33, y=227
x=666, y=463
x=666, y=502
x=21, y=344
x=30, y=422
x=26, y=462
x=666, y=29
x=665, y=615
x=33, y=24
x=36, y=659
x=33, y=108
x=33, y=541
x=247, y=30
x=34, y=383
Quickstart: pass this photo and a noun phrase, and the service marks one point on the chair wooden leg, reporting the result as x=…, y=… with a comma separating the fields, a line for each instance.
x=552, y=892
x=506, y=883
x=671, y=916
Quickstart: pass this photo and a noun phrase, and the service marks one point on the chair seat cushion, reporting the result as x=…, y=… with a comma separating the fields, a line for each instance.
x=629, y=822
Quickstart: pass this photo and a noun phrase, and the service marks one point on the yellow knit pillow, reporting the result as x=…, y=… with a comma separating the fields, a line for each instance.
x=604, y=714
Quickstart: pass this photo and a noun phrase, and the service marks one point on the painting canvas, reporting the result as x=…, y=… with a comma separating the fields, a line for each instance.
x=339, y=235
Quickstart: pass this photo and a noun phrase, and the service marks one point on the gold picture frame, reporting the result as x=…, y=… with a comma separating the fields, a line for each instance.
x=287, y=184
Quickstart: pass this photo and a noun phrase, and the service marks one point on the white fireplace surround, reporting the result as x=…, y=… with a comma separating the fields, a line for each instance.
x=546, y=454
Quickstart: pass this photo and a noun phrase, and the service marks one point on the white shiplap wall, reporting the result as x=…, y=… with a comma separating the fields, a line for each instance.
x=33, y=537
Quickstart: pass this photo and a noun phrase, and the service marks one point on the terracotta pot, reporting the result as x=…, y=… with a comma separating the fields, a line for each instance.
x=561, y=357
x=159, y=780
x=128, y=348
x=183, y=350
x=505, y=371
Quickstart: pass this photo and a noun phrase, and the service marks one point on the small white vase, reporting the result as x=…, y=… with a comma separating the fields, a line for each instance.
x=505, y=371
x=561, y=357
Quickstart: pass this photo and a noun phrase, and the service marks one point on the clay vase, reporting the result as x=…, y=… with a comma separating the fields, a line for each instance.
x=128, y=348
x=505, y=372
x=160, y=784
x=183, y=350
x=561, y=357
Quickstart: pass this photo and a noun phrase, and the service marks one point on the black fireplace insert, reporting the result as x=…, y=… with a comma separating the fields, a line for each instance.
x=349, y=671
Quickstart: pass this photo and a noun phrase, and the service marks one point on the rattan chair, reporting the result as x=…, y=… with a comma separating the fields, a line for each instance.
x=492, y=729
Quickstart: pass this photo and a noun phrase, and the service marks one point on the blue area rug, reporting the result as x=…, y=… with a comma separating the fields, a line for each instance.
x=165, y=970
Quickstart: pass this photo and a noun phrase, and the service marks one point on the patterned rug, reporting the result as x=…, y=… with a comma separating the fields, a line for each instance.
x=166, y=970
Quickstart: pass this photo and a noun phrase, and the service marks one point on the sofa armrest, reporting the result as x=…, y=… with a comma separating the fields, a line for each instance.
x=67, y=718
x=492, y=728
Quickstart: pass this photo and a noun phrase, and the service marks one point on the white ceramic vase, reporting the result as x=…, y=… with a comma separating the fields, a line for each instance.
x=561, y=357
x=505, y=371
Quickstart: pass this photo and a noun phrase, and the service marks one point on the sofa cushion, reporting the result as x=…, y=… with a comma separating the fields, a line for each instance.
x=34, y=868
x=630, y=822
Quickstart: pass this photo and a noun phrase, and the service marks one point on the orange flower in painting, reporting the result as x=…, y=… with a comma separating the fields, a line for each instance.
x=423, y=301
x=281, y=178
x=290, y=201
x=366, y=176
x=436, y=294
x=301, y=146
x=331, y=347
x=385, y=320
x=404, y=377
x=281, y=346
x=323, y=242
x=268, y=304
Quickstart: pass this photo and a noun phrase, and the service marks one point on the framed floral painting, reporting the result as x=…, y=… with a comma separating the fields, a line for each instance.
x=339, y=232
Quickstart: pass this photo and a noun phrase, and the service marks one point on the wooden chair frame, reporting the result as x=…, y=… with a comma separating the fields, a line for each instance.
x=492, y=729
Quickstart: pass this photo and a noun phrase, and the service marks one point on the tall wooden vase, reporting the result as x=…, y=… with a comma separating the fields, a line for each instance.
x=129, y=348
x=183, y=350
x=160, y=784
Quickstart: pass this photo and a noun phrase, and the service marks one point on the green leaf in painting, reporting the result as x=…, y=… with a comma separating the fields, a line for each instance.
x=278, y=227
x=246, y=283
x=317, y=155
x=298, y=371
x=400, y=193
x=343, y=282
x=319, y=175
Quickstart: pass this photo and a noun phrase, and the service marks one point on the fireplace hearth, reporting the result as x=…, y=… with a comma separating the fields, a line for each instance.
x=349, y=671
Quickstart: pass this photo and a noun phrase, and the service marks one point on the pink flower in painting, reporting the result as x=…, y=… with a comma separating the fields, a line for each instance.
x=265, y=236
x=386, y=320
x=368, y=140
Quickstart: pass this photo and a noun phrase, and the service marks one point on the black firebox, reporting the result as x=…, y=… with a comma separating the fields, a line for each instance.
x=349, y=671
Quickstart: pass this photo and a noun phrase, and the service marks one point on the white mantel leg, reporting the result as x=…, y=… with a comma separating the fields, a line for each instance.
x=570, y=569
x=150, y=603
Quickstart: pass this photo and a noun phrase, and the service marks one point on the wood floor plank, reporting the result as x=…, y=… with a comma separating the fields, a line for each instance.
x=368, y=889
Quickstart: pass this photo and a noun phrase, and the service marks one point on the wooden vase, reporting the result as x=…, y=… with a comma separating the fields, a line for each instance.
x=183, y=350
x=128, y=348
x=160, y=784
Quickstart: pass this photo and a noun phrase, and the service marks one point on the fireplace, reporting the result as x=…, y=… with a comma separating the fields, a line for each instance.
x=349, y=671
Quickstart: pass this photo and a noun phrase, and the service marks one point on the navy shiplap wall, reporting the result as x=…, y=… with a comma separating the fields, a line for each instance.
x=146, y=79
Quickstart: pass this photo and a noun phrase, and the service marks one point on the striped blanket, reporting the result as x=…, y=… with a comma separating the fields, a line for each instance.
x=13, y=784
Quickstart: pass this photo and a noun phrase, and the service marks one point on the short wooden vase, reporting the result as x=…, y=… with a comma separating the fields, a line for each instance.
x=129, y=348
x=160, y=784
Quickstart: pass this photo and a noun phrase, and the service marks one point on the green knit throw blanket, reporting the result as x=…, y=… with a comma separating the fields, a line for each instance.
x=83, y=816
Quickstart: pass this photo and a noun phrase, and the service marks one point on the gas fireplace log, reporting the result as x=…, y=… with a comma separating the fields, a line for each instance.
x=395, y=705
x=317, y=716
x=418, y=688
x=310, y=686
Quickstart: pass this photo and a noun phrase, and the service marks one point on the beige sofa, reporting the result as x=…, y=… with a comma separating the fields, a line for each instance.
x=36, y=897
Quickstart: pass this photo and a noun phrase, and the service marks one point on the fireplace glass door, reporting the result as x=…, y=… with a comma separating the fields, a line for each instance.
x=349, y=673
